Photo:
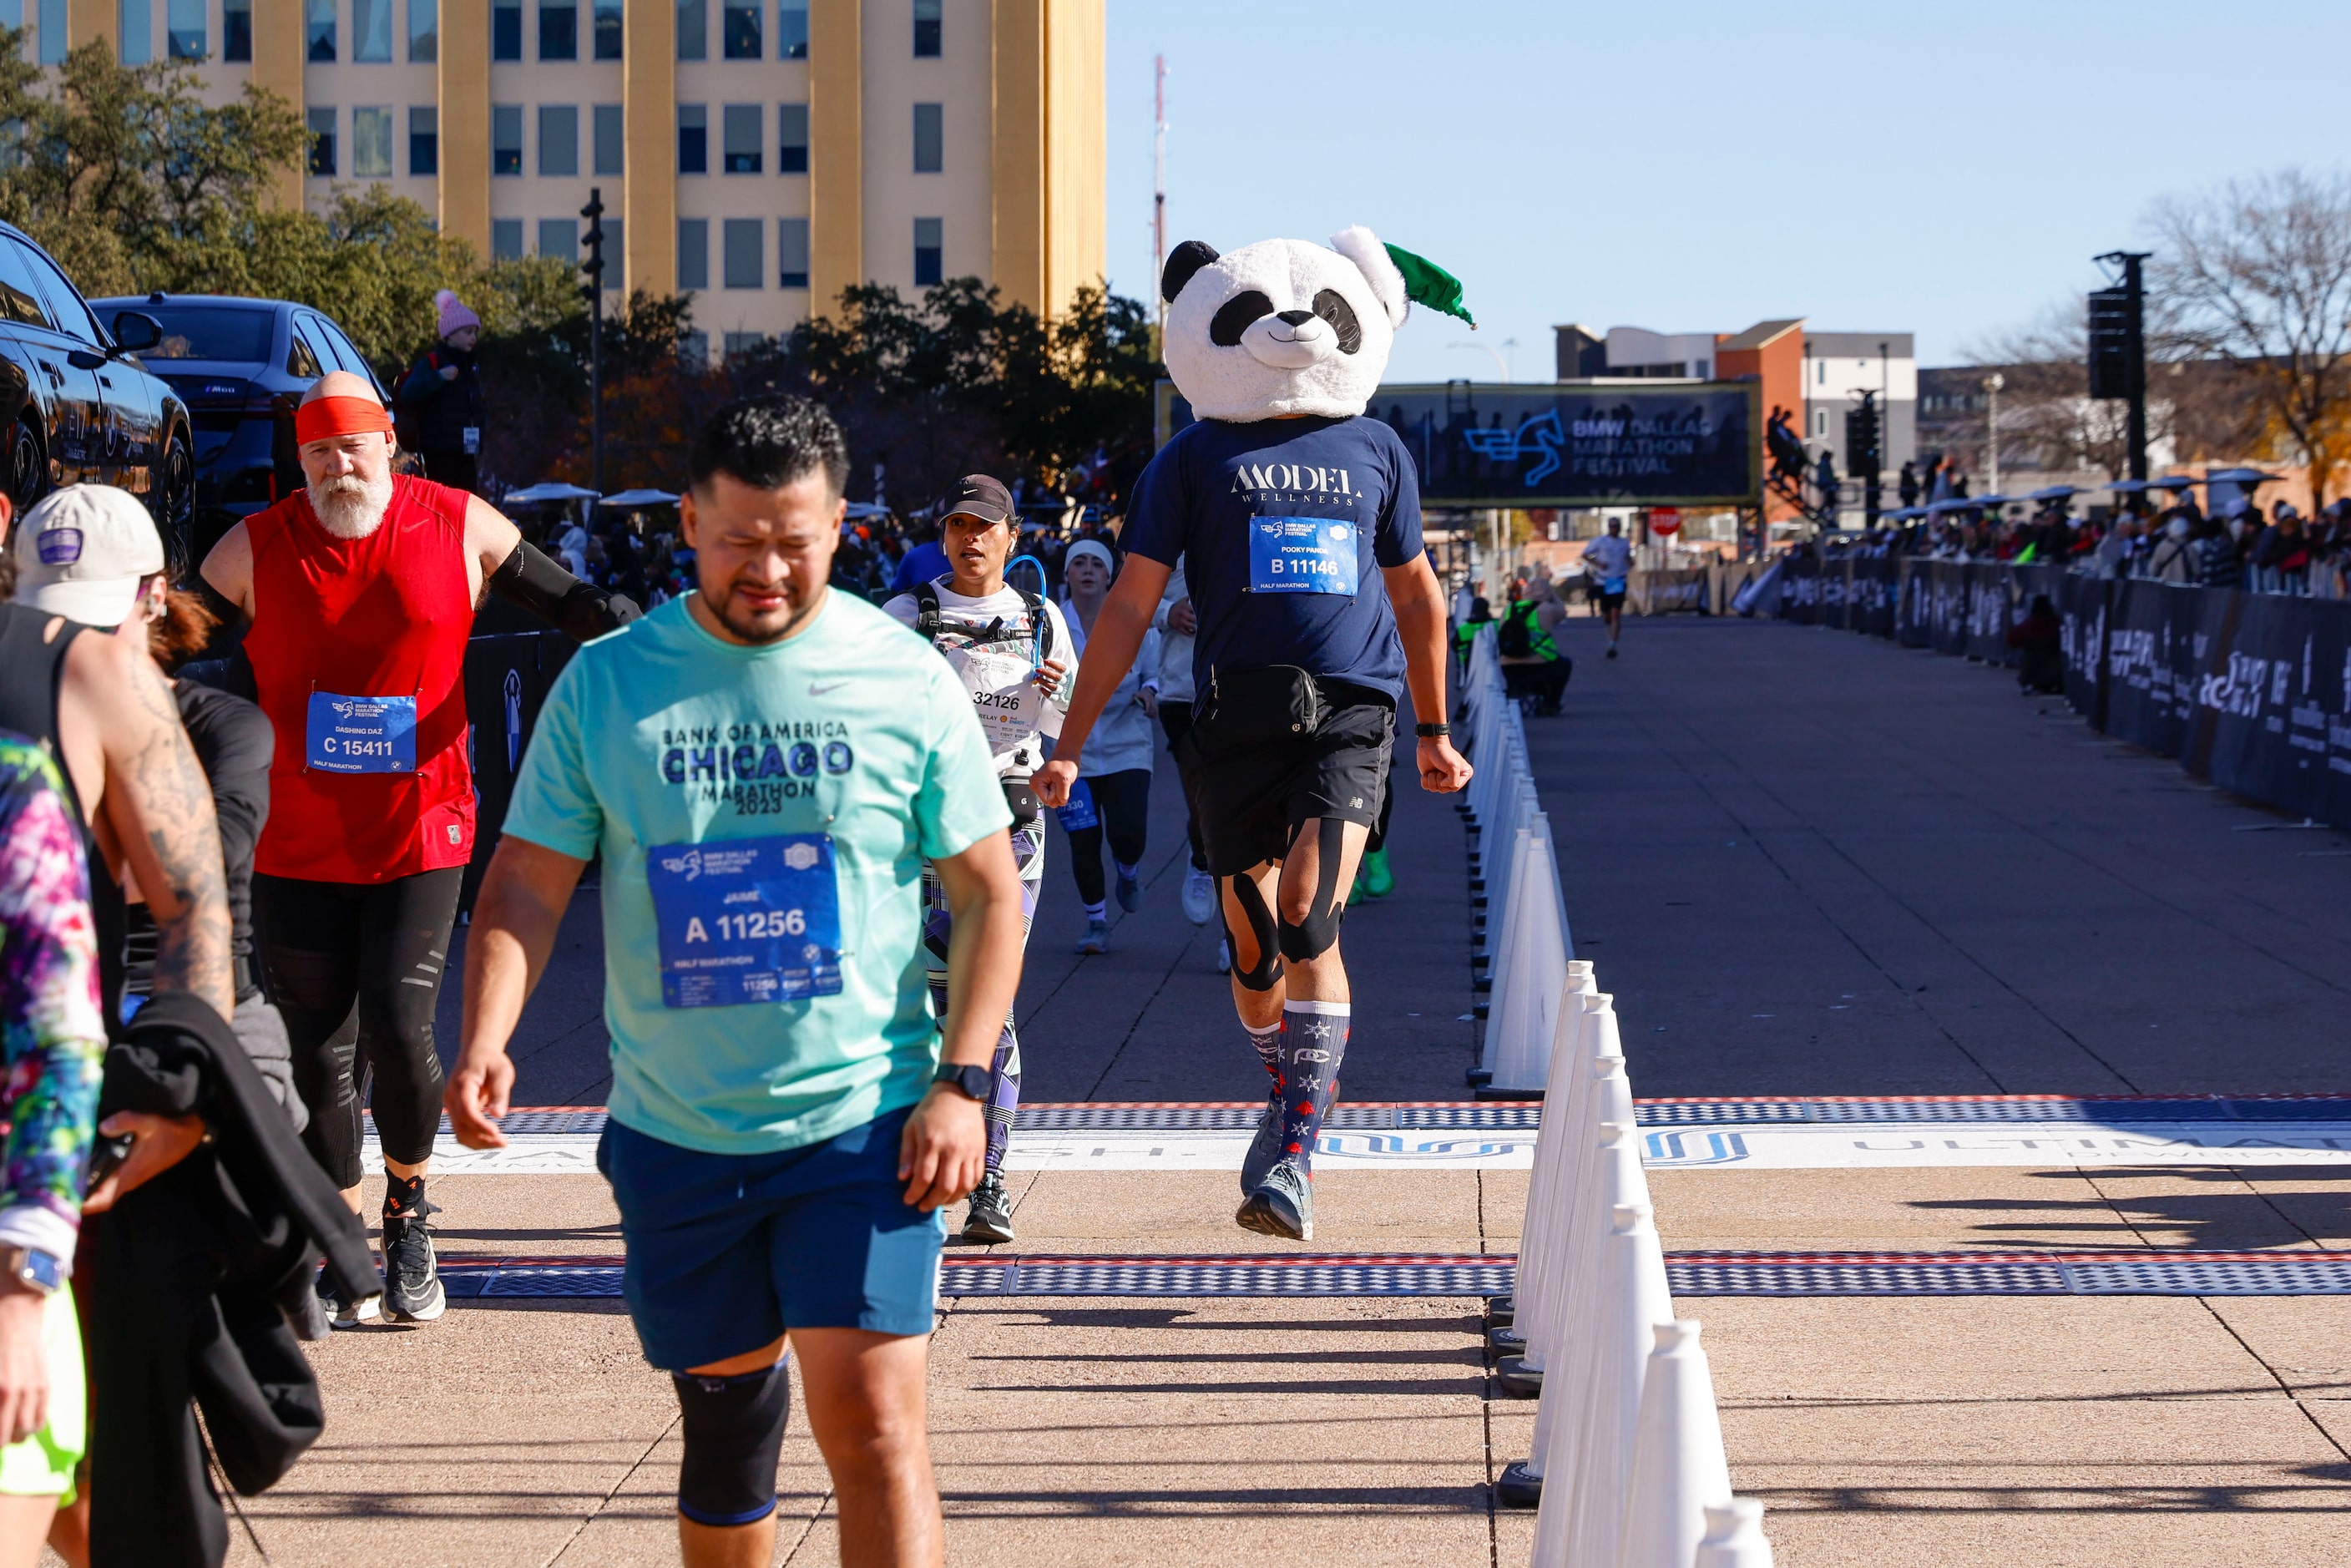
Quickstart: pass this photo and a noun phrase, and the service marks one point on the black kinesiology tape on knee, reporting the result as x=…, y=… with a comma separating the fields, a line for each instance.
x=1318, y=932
x=734, y=1434
x=539, y=584
x=1263, y=932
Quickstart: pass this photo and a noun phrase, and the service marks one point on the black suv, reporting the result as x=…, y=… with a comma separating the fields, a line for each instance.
x=79, y=407
x=240, y=366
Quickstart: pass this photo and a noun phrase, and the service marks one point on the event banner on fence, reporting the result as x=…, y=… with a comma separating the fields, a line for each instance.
x=2251, y=692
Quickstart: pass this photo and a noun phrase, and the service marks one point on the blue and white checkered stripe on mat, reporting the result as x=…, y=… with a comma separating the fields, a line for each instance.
x=1689, y=1274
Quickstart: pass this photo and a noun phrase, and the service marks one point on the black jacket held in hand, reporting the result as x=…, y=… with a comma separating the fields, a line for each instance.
x=187, y=1275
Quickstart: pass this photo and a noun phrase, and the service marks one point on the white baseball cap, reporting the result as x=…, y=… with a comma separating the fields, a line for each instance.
x=82, y=551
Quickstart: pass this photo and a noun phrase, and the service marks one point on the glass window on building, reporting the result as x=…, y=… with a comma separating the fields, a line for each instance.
x=610, y=28
x=183, y=29
x=693, y=139
x=616, y=254
x=926, y=29
x=611, y=139
x=49, y=47
x=693, y=350
x=505, y=239
x=746, y=254
x=558, y=138
x=740, y=22
x=322, y=122
x=739, y=343
x=424, y=139
x=791, y=253
x=371, y=144
x=506, y=31
x=930, y=138
x=739, y=138
x=791, y=138
x=424, y=31
x=694, y=29
x=791, y=30
x=371, y=32
x=693, y=253
x=134, y=23
x=559, y=237
x=559, y=30
x=321, y=15
x=237, y=29
x=505, y=139
x=930, y=252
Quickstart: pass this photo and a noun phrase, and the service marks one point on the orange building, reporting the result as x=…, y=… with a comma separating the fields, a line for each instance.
x=1773, y=352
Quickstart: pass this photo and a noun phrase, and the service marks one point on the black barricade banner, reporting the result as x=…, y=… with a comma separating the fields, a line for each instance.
x=1799, y=597
x=1987, y=613
x=1836, y=577
x=2082, y=612
x=2275, y=695
x=2152, y=659
x=506, y=679
x=1877, y=582
x=1914, y=622
x=1947, y=607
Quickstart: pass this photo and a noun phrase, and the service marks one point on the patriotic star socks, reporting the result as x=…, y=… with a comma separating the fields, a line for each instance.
x=1313, y=1042
x=1266, y=1043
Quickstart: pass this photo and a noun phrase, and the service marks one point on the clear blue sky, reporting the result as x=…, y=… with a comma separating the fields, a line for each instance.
x=1947, y=170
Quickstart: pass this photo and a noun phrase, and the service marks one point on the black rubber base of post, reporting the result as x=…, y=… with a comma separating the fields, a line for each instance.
x=1519, y=1487
x=1501, y=1311
x=1504, y=1340
x=1479, y=1075
x=1486, y=1091
x=1515, y=1378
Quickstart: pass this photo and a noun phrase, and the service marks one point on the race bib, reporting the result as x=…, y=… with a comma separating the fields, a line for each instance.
x=746, y=920
x=360, y=735
x=1009, y=706
x=1301, y=555
x=1079, y=814
x=473, y=441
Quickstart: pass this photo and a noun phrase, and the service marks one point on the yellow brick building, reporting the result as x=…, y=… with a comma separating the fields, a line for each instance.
x=760, y=154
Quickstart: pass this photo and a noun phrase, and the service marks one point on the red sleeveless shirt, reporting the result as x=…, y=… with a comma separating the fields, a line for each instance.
x=385, y=616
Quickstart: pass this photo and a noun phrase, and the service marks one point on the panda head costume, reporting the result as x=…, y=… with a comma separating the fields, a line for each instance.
x=1287, y=327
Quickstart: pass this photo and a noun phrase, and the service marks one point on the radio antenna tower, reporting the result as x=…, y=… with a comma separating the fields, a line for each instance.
x=1158, y=179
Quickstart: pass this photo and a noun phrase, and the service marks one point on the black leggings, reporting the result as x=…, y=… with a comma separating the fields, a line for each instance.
x=356, y=969
x=1176, y=719
x=1122, y=812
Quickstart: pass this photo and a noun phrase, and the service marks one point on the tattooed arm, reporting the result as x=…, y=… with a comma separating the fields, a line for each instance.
x=153, y=808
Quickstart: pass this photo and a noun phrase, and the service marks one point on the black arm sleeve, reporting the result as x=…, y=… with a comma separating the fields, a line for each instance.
x=581, y=610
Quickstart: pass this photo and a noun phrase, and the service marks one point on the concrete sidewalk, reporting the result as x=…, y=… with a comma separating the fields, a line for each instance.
x=1805, y=863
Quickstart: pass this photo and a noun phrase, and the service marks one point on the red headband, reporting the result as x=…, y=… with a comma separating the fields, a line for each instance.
x=327, y=417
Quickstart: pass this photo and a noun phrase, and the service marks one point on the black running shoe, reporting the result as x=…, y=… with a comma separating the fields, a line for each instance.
x=412, y=1280
x=1265, y=1147
x=989, y=1219
x=1283, y=1205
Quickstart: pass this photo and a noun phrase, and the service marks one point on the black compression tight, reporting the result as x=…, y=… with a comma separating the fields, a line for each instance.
x=1122, y=812
x=355, y=970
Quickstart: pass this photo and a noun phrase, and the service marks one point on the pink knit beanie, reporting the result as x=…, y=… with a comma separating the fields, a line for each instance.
x=454, y=315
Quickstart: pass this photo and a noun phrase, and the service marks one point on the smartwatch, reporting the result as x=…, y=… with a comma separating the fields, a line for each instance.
x=37, y=1270
x=972, y=1081
x=1431, y=731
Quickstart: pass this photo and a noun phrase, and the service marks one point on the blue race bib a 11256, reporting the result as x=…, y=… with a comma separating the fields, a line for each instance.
x=360, y=735
x=1301, y=555
x=746, y=920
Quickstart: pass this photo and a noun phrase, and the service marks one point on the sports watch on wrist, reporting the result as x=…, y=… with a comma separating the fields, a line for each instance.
x=35, y=1270
x=972, y=1081
x=1431, y=731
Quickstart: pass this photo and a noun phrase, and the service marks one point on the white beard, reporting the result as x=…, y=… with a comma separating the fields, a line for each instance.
x=351, y=507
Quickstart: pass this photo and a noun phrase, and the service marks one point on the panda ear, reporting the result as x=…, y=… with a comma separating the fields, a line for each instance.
x=1362, y=246
x=1182, y=262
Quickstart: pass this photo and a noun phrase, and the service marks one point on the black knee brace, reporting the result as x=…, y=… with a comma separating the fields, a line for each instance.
x=734, y=1434
x=1318, y=932
x=1263, y=932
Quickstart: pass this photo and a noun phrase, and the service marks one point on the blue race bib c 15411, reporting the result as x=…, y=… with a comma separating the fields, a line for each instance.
x=360, y=735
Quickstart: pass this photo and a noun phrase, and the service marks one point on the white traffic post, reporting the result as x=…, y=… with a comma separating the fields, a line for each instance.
x=1560, y=1140
x=1734, y=1537
x=1530, y=973
x=1678, y=1470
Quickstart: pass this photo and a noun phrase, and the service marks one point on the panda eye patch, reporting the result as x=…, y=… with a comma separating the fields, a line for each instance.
x=1332, y=308
x=1234, y=316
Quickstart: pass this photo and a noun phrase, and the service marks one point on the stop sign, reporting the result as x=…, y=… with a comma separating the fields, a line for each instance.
x=1666, y=520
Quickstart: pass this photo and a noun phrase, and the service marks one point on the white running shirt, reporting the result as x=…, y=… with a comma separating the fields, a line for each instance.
x=997, y=673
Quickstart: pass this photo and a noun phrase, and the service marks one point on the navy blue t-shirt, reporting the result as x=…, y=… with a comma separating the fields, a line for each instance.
x=1272, y=520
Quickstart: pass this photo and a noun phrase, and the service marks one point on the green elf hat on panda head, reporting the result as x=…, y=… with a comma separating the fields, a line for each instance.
x=1426, y=283
x=1399, y=277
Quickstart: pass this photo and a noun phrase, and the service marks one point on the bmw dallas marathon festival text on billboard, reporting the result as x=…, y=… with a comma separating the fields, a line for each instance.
x=1573, y=443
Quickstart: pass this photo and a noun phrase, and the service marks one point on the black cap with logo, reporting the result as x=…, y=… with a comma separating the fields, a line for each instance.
x=978, y=496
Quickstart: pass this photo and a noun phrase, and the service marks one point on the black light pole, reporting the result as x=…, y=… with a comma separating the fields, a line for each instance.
x=593, y=268
x=2118, y=349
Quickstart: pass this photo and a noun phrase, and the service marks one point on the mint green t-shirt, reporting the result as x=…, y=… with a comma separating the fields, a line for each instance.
x=662, y=736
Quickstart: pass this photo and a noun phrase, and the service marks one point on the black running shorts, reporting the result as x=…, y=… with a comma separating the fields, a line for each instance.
x=1249, y=801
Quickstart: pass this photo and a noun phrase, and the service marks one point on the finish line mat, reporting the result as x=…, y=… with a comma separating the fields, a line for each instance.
x=1818, y=1133
x=1689, y=1274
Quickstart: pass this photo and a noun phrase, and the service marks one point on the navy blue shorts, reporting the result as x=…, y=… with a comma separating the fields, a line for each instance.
x=728, y=1252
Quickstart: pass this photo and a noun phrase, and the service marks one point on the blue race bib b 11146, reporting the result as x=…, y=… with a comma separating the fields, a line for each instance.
x=360, y=735
x=1302, y=554
x=746, y=920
